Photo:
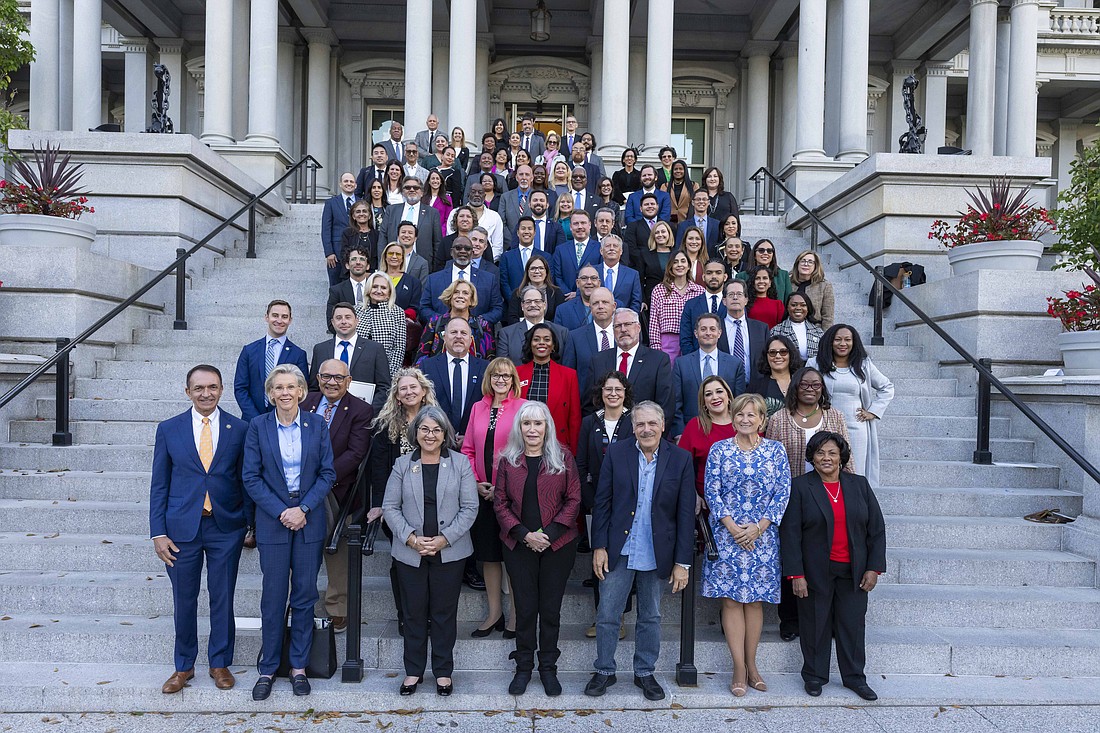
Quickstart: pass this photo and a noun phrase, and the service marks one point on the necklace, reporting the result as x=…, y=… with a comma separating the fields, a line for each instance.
x=834, y=498
x=806, y=418
x=752, y=444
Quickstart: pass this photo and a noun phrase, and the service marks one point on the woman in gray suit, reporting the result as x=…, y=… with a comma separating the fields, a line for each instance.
x=431, y=503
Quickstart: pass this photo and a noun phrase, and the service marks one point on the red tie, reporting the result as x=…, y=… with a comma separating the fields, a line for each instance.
x=622, y=361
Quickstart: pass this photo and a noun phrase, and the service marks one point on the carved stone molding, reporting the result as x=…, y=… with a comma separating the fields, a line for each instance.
x=197, y=69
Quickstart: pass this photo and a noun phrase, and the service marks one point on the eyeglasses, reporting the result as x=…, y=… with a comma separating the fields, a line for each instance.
x=536, y=301
x=614, y=390
x=631, y=324
x=410, y=188
x=778, y=352
x=425, y=430
x=807, y=261
x=811, y=386
x=763, y=250
x=332, y=377
x=501, y=378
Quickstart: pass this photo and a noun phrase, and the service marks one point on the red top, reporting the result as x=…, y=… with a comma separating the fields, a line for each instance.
x=768, y=310
x=838, y=552
x=698, y=445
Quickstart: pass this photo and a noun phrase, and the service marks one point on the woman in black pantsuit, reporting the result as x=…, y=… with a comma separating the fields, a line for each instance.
x=831, y=575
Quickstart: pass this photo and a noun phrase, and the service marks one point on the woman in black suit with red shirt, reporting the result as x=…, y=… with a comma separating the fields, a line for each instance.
x=832, y=573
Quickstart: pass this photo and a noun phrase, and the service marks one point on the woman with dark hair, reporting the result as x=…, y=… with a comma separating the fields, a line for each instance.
x=436, y=196
x=832, y=572
x=798, y=326
x=667, y=156
x=537, y=274
x=722, y=202
x=859, y=390
x=778, y=362
x=439, y=144
x=680, y=189
x=763, y=305
x=395, y=173
x=360, y=234
x=537, y=499
x=734, y=255
x=500, y=164
x=500, y=132
x=714, y=423
x=515, y=145
x=376, y=197
x=808, y=278
x=628, y=178
x=763, y=253
x=489, y=183
x=544, y=379
x=666, y=305
x=605, y=196
x=538, y=177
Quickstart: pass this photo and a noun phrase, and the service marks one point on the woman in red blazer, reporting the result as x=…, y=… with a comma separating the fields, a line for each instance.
x=543, y=379
x=537, y=500
x=763, y=304
x=486, y=435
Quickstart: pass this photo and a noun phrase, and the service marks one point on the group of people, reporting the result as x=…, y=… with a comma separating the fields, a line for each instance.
x=679, y=377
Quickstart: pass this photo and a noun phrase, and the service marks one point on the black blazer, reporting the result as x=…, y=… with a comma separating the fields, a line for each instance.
x=806, y=533
x=650, y=376
x=758, y=334
x=592, y=446
x=369, y=363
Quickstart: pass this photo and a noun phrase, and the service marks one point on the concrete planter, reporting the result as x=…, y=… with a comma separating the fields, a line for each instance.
x=1019, y=255
x=1080, y=352
x=46, y=232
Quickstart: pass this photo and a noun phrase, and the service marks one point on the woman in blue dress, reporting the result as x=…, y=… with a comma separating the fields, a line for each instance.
x=747, y=485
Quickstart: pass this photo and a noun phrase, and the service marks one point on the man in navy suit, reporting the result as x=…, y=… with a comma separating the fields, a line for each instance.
x=712, y=301
x=636, y=234
x=514, y=261
x=586, y=341
x=548, y=234
x=490, y=304
x=429, y=232
x=643, y=531
x=367, y=361
x=334, y=220
x=748, y=347
x=565, y=263
x=648, y=370
x=455, y=374
x=354, y=289
x=348, y=419
x=649, y=185
x=622, y=281
x=258, y=358
x=585, y=184
x=700, y=217
x=690, y=369
x=196, y=512
x=575, y=312
x=517, y=202
x=375, y=171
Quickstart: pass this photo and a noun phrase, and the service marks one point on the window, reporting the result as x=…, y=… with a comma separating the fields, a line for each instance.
x=689, y=137
x=379, y=129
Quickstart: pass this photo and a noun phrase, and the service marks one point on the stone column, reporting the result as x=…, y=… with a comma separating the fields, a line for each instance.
x=481, y=97
x=639, y=85
x=1000, y=114
x=263, y=74
x=460, y=103
x=285, y=99
x=981, y=80
x=853, y=81
x=46, y=67
x=319, y=103
x=757, y=111
x=616, y=74
x=899, y=69
x=217, y=115
x=240, y=63
x=171, y=56
x=1065, y=150
x=935, y=106
x=790, y=111
x=65, y=58
x=595, y=108
x=658, y=97
x=136, y=96
x=440, y=79
x=418, y=63
x=87, y=68
x=1022, y=96
x=810, y=134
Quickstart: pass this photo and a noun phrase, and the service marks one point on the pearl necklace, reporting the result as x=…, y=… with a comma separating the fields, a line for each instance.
x=806, y=418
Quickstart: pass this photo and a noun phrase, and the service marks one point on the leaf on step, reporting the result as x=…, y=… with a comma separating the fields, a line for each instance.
x=5, y=618
x=125, y=623
x=104, y=682
x=54, y=621
x=408, y=711
x=56, y=470
x=491, y=713
x=382, y=725
x=31, y=534
x=53, y=536
x=949, y=675
x=106, y=542
x=607, y=722
x=36, y=626
x=391, y=674
x=584, y=712
x=676, y=706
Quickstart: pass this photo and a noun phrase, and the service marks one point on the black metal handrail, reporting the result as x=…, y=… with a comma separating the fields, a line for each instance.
x=63, y=436
x=984, y=369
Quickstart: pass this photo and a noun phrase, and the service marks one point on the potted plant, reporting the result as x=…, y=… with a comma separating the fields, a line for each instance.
x=43, y=205
x=1078, y=217
x=998, y=231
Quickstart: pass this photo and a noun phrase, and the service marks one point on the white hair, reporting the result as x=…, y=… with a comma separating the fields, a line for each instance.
x=514, y=451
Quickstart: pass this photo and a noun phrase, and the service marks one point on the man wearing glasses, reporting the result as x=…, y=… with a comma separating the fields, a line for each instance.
x=348, y=419
x=365, y=359
x=429, y=235
x=742, y=336
x=649, y=370
x=576, y=311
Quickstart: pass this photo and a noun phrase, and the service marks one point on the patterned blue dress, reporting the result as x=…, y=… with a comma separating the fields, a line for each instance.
x=747, y=487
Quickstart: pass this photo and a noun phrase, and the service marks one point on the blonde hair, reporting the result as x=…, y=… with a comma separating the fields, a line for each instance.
x=449, y=291
x=818, y=275
x=497, y=365
x=384, y=278
x=671, y=237
x=743, y=400
x=392, y=412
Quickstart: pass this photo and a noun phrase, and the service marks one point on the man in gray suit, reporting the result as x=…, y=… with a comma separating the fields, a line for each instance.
x=425, y=138
x=690, y=369
x=511, y=338
x=531, y=139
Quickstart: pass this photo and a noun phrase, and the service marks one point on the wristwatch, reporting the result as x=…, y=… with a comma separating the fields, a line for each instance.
x=685, y=566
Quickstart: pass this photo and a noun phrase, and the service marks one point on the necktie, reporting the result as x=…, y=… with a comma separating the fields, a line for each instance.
x=347, y=203
x=622, y=362
x=522, y=202
x=359, y=293
x=609, y=279
x=604, y=343
x=409, y=215
x=525, y=252
x=272, y=352
x=739, y=343
x=708, y=371
x=714, y=304
x=329, y=407
x=701, y=223
x=206, y=455
x=527, y=143
x=461, y=274
x=456, y=392
x=580, y=253
x=577, y=200
x=344, y=354
x=650, y=222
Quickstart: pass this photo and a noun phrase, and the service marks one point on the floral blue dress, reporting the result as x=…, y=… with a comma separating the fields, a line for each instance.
x=747, y=487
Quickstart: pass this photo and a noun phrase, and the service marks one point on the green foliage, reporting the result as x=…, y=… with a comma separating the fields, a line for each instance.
x=15, y=52
x=1078, y=215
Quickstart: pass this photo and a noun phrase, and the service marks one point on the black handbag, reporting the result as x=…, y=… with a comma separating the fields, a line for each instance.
x=322, y=654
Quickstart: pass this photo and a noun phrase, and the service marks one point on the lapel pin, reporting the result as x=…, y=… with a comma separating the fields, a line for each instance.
x=305, y=425
x=228, y=426
x=416, y=469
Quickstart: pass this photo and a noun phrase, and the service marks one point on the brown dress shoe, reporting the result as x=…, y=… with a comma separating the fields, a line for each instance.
x=223, y=678
x=250, y=539
x=339, y=624
x=177, y=682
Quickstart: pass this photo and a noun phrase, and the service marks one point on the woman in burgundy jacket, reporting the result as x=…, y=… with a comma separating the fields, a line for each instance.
x=538, y=497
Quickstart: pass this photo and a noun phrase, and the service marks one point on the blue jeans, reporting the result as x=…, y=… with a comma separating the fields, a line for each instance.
x=614, y=590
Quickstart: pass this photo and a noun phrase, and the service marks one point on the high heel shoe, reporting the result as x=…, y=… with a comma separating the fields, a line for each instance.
x=444, y=690
x=407, y=690
x=497, y=625
x=509, y=633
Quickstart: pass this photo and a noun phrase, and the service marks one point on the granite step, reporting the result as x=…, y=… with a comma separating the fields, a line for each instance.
x=896, y=472
x=932, y=501
x=85, y=432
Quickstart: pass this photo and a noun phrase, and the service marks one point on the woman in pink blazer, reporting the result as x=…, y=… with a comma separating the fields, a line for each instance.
x=486, y=435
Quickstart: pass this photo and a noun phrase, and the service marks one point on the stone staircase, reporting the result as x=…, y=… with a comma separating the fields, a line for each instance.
x=975, y=599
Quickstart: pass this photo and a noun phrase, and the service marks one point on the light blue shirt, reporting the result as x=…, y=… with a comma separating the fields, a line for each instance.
x=703, y=362
x=324, y=404
x=639, y=544
x=290, y=448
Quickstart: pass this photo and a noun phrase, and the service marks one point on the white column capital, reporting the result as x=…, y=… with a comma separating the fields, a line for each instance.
x=975, y=3
x=1017, y=3
x=134, y=45
x=937, y=68
x=288, y=35
x=486, y=42
x=170, y=45
x=903, y=67
x=318, y=36
x=759, y=48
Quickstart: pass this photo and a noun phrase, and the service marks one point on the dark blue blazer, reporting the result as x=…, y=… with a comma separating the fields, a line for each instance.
x=248, y=380
x=673, y=506
x=633, y=211
x=580, y=348
x=435, y=369
x=490, y=303
x=564, y=267
x=553, y=235
x=713, y=233
x=628, y=287
x=511, y=269
x=687, y=377
x=180, y=483
x=266, y=484
x=693, y=309
x=407, y=293
x=334, y=220
x=572, y=314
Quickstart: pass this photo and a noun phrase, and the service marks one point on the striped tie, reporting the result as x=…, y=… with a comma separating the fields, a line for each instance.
x=272, y=352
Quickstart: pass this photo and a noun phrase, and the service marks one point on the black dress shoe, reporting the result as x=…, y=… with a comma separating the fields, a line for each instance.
x=262, y=689
x=473, y=579
x=813, y=689
x=863, y=691
x=651, y=688
x=300, y=684
x=598, y=685
x=509, y=634
x=788, y=635
x=519, y=682
x=550, y=683
x=444, y=690
x=407, y=690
